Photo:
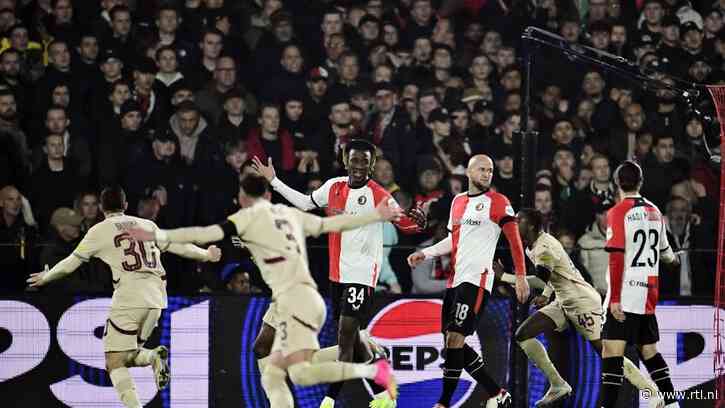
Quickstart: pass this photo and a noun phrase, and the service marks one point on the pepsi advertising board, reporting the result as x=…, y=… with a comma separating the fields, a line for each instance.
x=51, y=354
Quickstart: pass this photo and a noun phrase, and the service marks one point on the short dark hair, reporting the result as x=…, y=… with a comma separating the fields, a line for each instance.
x=113, y=199
x=118, y=9
x=628, y=176
x=56, y=108
x=533, y=217
x=362, y=145
x=254, y=185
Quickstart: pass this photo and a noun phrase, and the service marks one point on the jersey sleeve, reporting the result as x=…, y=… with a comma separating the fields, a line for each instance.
x=311, y=224
x=501, y=210
x=664, y=241
x=320, y=197
x=615, y=230
x=89, y=246
x=241, y=220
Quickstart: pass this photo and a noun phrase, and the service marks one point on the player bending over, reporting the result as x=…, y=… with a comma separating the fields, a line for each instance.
x=577, y=303
x=275, y=236
x=476, y=220
x=356, y=256
x=636, y=241
x=139, y=290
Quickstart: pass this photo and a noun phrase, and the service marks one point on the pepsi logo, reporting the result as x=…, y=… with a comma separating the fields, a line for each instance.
x=410, y=330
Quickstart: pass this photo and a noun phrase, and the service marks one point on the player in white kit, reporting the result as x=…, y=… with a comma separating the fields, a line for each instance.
x=139, y=290
x=477, y=218
x=636, y=241
x=356, y=256
x=577, y=304
x=275, y=235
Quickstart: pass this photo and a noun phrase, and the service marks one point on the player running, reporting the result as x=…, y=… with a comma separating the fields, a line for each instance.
x=355, y=256
x=636, y=241
x=577, y=303
x=275, y=236
x=139, y=290
x=476, y=220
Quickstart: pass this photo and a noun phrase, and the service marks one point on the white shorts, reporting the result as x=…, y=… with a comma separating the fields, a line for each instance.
x=128, y=329
x=299, y=314
x=586, y=322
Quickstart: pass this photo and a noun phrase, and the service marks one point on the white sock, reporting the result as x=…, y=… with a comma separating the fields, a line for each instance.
x=275, y=386
x=634, y=376
x=123, y=383
x=326, y=354
x=536, y=352
x=143, y=357
x=306, y=373
x=262, y=363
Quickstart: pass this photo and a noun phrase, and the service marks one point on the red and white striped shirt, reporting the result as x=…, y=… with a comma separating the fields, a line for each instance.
x=475, y=225
x=356, y=255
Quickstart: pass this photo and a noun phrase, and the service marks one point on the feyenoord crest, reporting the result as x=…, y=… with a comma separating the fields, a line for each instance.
x=362, y=200
x=479, y=207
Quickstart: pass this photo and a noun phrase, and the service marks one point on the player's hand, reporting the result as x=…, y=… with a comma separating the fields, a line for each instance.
x=262, y=170
x=214, y=253
x=389, y=212
x=416, y=258
x=140, y=234
x=522, y=289
x=540, y=301
x=35, y=280
x=617, y=311
x=419, y=216
x=498, y=269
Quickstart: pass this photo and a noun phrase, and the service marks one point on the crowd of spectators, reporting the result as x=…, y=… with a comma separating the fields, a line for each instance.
x=171, y=99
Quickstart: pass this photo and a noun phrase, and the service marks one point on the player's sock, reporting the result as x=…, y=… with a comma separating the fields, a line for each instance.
x=306, y=373
x=262, y=363
x=451, y=373
x=612, y=375
x=123, y=383
x=143, y=358
x=275, y=386
x=536, y=352
x=660, y=373
x=473, y=364
x=636, y=378
x=326, y=354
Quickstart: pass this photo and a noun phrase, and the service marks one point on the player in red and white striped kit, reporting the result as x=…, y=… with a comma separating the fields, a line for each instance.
x=477, y=218
x=636, y=241
x=356, y=256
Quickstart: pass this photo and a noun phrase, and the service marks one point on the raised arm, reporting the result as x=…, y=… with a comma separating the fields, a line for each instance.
x=302, y=201
x=191, y=251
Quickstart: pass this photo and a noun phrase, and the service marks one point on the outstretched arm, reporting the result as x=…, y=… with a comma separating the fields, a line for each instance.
x=315, y=226
x=443, y=247
x=191, y=251
x=302, y=201
x=59, y=271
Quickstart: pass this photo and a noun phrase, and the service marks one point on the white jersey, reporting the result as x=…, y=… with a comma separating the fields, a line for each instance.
x=139, y=279
x=636, y=227
x=275, y=236
x=475, y=225
x=356, y=256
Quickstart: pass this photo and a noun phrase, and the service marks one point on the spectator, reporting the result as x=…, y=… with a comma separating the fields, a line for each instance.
x=55, y=182
x=660, y=171
x=168, y=22
x=430, y=276
x=316, y=108
x=621, y=145
x=153, y=106
x=121, y=38
x=234, y=123
x=17, y=233
x=430, y=176
x=269, y=141
x=211, y=48
x=580, y=214
x=168, y=71
x=76, y=145
x=61, y=241
x=333, y=136
x=449, y=148
x=384, y=175
x=112, y=70
x=211, y=99
x=505, y=181
x=122, y=146
x=591, y=247
x=544, y=203
x=14, y=136
x=87, y=206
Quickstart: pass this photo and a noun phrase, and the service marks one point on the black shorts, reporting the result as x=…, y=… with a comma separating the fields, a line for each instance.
x=636, y=328
x=353, y=300
x=461, y=307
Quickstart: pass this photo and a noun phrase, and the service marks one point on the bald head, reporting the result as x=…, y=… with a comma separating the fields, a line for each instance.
x=480, y=173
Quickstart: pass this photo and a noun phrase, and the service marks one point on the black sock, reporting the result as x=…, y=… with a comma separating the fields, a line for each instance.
x=334, y=390
x=612, y=375
x=451, y=372
x=473, y=364
x=660, y=373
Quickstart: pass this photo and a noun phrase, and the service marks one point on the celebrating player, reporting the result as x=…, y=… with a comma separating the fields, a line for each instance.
x=577, y=303
x=476, y=220
x=139, y=293
x=355, y=256
x=636, y=241
x=275, y=236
